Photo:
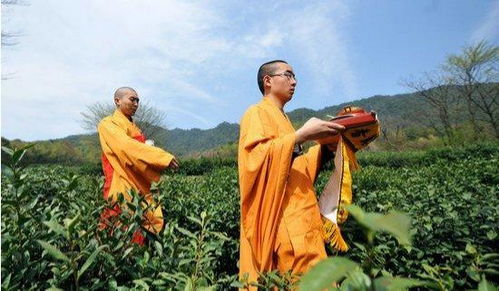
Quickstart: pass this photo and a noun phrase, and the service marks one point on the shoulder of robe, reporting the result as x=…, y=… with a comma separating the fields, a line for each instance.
x=247, y=115
x=247, y=121
x=255, y=113
x=120, y=120
x=257, y=122
x=111, y=120
x=250, y=110
x=104, y=121
x=258, y=109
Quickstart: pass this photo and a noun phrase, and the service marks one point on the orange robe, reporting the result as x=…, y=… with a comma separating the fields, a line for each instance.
x=128, y=164
x=281, y=226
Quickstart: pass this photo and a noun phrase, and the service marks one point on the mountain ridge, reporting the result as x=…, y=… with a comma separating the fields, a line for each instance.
x=391, y=109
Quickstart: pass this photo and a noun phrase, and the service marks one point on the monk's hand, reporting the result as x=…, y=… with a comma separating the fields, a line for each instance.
x=316, y=128
x=174, y=164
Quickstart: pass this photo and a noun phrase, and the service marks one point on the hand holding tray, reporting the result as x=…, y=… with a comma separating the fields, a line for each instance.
x=361, y=127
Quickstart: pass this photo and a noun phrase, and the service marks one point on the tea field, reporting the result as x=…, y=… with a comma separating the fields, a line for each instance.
x=50, y=215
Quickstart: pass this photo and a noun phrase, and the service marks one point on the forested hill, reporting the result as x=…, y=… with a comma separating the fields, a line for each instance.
x=399, y=108
x=182, y=141
x=404, y=110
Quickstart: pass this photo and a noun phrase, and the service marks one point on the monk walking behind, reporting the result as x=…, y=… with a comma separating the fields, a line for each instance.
x=129, y=163
x=281, y=225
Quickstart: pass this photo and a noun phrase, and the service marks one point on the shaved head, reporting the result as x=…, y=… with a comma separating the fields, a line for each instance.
x=268, y=68
x=126, y=100
x=122, y=91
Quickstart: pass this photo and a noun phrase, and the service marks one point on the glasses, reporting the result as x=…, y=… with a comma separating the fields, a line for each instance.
x=288, y=75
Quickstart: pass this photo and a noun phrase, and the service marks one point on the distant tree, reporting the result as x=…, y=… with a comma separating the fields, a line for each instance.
x=476, y=72
x=148, y=118
x=437, y=90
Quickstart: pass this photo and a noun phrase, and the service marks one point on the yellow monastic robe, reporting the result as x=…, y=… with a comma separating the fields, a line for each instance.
x=134, y=165
x=281, y=226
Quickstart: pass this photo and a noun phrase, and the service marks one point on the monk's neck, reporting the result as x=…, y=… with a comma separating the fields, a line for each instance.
x=275, y=100
x=126, y=116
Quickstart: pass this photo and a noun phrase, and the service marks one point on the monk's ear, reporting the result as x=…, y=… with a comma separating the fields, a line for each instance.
x=267, y=81
x=117, y=101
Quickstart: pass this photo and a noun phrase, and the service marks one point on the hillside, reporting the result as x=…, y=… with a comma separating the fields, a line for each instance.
x=183, y=142
x=397, y=111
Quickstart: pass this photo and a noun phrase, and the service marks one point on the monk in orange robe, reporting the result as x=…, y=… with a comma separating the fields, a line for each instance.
x=281, y=225
x=129, y=163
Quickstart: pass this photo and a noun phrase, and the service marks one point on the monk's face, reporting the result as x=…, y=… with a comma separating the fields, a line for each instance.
x=128, y=103
x=283, y=82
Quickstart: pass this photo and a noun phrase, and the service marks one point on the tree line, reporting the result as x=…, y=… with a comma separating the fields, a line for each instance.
x=464, y=88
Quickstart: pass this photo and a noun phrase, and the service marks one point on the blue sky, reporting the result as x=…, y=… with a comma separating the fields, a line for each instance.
x=197, y=60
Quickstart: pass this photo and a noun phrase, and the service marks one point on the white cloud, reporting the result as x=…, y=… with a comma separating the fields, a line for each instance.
x=75, y=53
x=316, y=32
x=489, y=27
x=190, y=114
x=186, y=56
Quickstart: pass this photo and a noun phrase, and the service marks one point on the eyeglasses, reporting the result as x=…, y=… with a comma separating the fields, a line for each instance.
x=288, y=75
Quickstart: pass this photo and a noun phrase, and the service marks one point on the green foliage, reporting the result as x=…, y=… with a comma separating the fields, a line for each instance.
x=486, y=286
x=406, y=121
x=395, y=223
x=451, y=195
x=326, y=273
x=269, y=281
x=50, y=238
x=183, y=142
x=339, y=271
x=204, y=165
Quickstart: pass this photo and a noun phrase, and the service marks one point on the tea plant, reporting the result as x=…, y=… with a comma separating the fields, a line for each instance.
x=51, y=239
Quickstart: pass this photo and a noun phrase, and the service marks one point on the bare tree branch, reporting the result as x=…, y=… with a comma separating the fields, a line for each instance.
x=436, y=90
x=476, y=73
x=148, y=118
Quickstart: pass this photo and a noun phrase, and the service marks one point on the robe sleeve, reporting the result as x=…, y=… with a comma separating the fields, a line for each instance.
x=264, y=164
x=138, y=158
x=313, y=161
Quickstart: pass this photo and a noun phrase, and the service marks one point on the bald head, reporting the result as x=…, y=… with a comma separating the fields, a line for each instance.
x=268, y=68
x=126, y=100
x=123, y=91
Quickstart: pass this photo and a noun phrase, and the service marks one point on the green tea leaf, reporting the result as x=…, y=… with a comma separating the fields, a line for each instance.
x=396, y=283
x=486, y=286
x=188, y=285
x=194, y=219
x=396, y=223
x=56, y=227
x=113, y=285
x=7, y=171
x=8, y=151
x=17, y=156
x=90, y=260
x=158, y=247
x=326, y=273
x=127, y=252
x=356, y=280
x=186, y=232
x=470, y=249
x=491, y=234
x=72, y=185
x=6, y=282
x=53, y=251
x=70, y=223
x=141, y=283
